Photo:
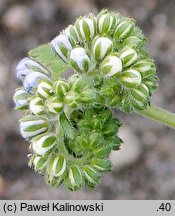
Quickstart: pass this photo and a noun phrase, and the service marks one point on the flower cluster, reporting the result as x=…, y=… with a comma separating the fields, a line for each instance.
x=69, y=122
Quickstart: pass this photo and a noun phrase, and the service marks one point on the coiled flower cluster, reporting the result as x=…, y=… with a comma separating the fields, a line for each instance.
x=68, y=121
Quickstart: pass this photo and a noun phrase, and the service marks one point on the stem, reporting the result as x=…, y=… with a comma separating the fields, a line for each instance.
x=160, y=115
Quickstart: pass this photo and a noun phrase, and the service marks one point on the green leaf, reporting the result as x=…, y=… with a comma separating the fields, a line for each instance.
x=67, y=126
x=46, y=57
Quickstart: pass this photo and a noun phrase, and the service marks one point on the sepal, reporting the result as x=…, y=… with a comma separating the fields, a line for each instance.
x=43, y=143
x=21, y=99
x=74, y=178
x=55, y=105
x=32, y=125
x=128, y=56
x=102, y=46
x=130, y=78
x=61, y=88
x=111, y=65
x=37, y=106
x=86, y=27
x=106, y=22
x=57, y=166
x=62, y=46
x=124, y=29
x=80, y=60
x=45, y=89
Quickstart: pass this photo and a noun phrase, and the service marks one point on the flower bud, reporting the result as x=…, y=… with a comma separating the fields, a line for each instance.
x=133, y=42
x=55, y=105
x=75, y=82
x=151, y=82
x=86, y=27
x=96, y=139
x=128, y=56
x=44, y=89
x=72, y=34
x=57, y=166
x=140, y=97
x=37, y=106
x=101, y=165
x=88, y=96
x=146, y=67
x=102, y=152
x=124, y=29
x=31, y=81
x=21, y=99
x=43, y=143
x=75, y=178
x=62, y=46
x=105, y=22
x=111, y=66
x=137, y=104
x=102, y=46
x=71, y=99
x=130, y=78
x=91, y=175
x=61, y=88
x=40, y=163
x=27, y=66
x=79, y=60
x=33, y=125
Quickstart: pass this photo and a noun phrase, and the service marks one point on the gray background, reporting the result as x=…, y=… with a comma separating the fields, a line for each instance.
x=145, y=167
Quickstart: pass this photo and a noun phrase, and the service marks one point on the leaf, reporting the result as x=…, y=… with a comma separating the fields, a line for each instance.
x=67, y=126
x=47, y=58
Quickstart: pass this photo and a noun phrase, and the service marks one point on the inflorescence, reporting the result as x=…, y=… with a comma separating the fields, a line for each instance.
x=69, y=122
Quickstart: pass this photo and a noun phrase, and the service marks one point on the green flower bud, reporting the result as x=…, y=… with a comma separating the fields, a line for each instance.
x=33, y=125
x=79, y=60
x=124, y=29
x=133, y=42
x=151, y=82
x=130, y=78
x=88, y=96
x=101, y=165
x=71, y=99
x=61, y=87
x=102, y=152
x=72, y=34
x=128, y=56
x=86, y=27
x=96, y=139
x=54, y=181
x=91, y=175
x=21, y=99
x=75, y=82
x=55, y=105
x=137, y=104
x=140, y=93
x=75, y=178
x=44, y=90
x=102, y=46
x=43, y=143
x=57, y=166
x=40, y=162
x=37, y=106
x=146, y=67
x=105, y=22
x=111, y=66
x=62, y=46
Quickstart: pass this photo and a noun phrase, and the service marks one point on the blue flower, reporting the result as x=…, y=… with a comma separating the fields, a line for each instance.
x=27, y=66
x=32, y=80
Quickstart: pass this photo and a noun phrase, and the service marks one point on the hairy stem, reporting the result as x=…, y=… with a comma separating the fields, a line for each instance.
x=160, y=115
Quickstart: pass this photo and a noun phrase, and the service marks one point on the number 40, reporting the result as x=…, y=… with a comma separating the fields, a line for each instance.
x=165, y=207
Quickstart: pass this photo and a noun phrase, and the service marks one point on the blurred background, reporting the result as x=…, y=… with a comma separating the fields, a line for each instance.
x=145, y=166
